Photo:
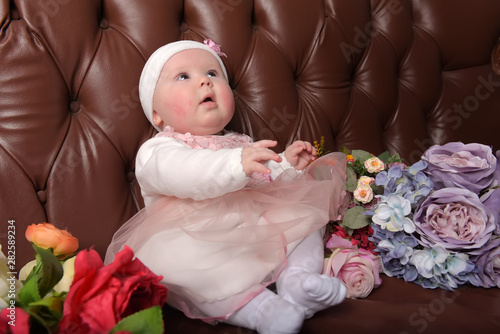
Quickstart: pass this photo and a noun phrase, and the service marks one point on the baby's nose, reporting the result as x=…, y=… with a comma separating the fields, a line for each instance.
x=205, y=81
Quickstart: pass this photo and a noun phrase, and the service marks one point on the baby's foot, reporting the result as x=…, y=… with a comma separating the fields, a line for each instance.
x=281, y=317
x=268, y=313
x=315, y=293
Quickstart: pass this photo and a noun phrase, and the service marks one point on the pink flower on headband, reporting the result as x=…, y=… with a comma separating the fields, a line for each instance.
x=216, y=47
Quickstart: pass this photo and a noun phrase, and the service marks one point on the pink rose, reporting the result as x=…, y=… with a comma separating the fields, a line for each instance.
x=363, y=194
x=357, y=268
x=374, y=165
x=365, y=181
x=100, y=296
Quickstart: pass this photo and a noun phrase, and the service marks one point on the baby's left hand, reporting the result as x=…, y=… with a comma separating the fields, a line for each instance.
x=299, y=154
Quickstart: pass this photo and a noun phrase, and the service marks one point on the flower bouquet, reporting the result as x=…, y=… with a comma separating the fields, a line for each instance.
x=350, y=252
x=434, y=223
x=437, y=221
x=61, y=291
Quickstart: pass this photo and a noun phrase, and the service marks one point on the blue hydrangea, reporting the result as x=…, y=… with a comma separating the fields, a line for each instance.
x=400, y=247
x=391, y=213
x=402, y=254
x=430, y=262
x=395, y=249
x=410, y=183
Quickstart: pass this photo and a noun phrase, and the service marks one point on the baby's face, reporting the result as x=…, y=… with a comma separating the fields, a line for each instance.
x=192, y=94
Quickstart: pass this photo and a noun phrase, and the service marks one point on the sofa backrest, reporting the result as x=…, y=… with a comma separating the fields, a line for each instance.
x=378, y=75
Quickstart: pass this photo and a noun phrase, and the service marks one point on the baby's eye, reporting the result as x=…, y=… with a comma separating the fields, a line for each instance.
x=211, y=74
x=182, y=76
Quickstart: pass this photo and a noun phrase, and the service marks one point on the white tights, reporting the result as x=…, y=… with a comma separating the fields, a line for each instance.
x=301, y=292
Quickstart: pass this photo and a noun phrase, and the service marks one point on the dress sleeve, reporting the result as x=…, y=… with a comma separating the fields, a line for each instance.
x=278, y=168
x=166, y=166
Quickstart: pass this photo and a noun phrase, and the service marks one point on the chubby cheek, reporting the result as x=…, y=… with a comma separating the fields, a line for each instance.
x=178, y=111
x=227, y=99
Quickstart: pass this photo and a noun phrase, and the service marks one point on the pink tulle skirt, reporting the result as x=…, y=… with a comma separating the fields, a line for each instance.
x=216, y=254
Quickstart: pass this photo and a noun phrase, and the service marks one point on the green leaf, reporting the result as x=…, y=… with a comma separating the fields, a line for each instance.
x=52, y=303
x=396, y=158
x=359, y=168
x=43, y=277
x=361, y=155
x=377, y=190
x=345, y=150
x=52, y=270
x=351, y=182
x=143, y=322
x=385, y=156
x=29, y=291
x=354, y=218
x=43, y=320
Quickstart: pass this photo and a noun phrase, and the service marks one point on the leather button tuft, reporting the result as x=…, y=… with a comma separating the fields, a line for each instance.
x=184, y=27
x=74, y=106
x=104, y=24
x=42, y=196
x=130, y=177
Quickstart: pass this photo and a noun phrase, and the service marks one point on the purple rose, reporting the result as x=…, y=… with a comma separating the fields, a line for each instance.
x=491, y=199
x=469, y=166
x=455, y=218
x=487, y=272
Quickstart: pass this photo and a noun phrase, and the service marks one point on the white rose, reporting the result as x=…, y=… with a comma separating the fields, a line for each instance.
x=69, y=272
x=25, y=271
x=7, y=287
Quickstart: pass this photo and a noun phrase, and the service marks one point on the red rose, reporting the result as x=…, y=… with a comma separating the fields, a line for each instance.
x=100, y=296
x=362, y=235
x=14, y=320
x=340, y=231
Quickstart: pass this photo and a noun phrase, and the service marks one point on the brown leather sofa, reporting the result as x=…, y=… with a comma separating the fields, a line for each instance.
x=378, y=75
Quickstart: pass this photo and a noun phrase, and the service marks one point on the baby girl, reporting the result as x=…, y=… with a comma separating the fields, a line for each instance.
x=225, y=216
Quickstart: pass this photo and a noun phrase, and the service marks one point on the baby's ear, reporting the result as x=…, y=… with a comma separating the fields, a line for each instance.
x=157, y=121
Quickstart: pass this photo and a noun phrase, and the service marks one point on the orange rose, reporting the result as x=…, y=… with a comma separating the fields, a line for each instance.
x=48, y=236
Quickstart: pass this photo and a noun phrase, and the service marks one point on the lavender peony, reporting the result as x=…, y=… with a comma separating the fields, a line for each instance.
x=491, y=199
x=469, y=166
x=455, y=218
x=487, y=273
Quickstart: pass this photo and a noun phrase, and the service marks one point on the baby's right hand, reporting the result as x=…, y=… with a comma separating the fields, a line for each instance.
x=256, y=155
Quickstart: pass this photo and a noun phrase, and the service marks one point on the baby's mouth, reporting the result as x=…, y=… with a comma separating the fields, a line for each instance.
x=209, y=100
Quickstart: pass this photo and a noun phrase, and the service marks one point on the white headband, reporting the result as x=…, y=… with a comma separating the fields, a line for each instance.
x=154, y=66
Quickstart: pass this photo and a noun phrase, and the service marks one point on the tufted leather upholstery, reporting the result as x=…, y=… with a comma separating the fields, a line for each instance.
x=395, y=75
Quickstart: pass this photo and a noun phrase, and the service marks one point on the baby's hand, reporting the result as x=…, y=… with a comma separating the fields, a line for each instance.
x=256, y=155
x=300, y=153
